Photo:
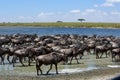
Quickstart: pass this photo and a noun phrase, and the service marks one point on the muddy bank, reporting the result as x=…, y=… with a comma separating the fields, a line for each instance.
x=97, y=74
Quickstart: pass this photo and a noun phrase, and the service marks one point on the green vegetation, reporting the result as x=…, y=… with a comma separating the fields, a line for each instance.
x=65, y=24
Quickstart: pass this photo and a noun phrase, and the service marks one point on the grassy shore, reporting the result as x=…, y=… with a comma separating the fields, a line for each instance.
x=65, y=24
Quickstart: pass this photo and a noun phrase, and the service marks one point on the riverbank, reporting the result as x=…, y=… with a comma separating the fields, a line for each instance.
x=89, y=68
x=99, y=74
x=65, y=24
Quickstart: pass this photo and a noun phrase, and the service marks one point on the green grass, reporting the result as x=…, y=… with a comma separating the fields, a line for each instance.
x=65, y=24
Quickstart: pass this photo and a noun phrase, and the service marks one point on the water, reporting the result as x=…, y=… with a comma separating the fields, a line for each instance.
x=52, y=31
x=6, y=67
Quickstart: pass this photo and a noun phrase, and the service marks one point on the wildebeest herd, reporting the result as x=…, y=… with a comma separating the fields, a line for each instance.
x=51, y=49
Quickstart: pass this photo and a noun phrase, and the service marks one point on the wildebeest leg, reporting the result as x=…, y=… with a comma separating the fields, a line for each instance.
x=76, y=59
x=29, y=61
x=97, y=55
x=14, y=60
x=113, y=56
x=2, y=59
x=101, y=54
x=118, y=56
x=8, y=59
x=20, y=59
x=106, y=54
x=96, y=52
x=37, y=68
x=81, y=55
x=24, y=59
x=71, y=59
x=49, y=69
x=56, y=68
x=38, y=65
x=109, y=53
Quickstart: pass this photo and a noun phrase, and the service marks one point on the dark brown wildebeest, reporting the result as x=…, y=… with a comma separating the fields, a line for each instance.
x=49, y=59
x=100, y=50
x=73, y=52
x=3, y=52
x=115, y=53
x=22, y=53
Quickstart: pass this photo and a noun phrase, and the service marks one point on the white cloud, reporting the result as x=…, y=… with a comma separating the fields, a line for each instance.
x=90, y=10
x=107, y=4
x=113, y=1
x=115, y=13
x=94, y=12
x=43, y=14
x=24, y=17
x=75, y=11
x=21, y=17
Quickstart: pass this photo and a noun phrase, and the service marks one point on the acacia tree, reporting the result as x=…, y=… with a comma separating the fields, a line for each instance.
x=81, y=20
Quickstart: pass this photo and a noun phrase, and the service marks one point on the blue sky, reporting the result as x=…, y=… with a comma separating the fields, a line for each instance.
x=54, y=10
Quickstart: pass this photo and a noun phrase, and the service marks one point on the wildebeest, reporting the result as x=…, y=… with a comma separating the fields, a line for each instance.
x=49, y=59
x=73, y=52
x=3, y=52
x=100, y=50
x=115, y=53
x=22, y=53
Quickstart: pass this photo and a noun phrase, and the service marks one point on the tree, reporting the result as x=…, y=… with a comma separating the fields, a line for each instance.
x=59, y=21
x=81, y=20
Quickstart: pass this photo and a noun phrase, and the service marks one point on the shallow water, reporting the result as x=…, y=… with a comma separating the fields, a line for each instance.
x=6, y=67
x=77, y=70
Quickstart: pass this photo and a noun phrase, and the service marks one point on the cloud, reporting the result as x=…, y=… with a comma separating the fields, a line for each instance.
x=43, y=14
x=94, y=15
x=115, y=13
x=107, y=5
x=21, y=17
x=75, y=11
x=24, y=17
x=94, y=12
x=90, y=10
x=113, y=1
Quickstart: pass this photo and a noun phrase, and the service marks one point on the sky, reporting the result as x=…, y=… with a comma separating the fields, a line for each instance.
x=63, y=10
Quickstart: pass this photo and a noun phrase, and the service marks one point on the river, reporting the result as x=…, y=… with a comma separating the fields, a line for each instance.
x=52, y=31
